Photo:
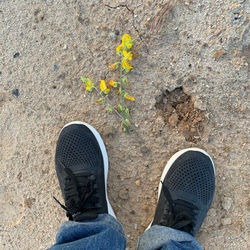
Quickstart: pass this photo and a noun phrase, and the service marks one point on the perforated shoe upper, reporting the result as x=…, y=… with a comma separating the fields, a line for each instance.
x=187, y=192
x=80, y=171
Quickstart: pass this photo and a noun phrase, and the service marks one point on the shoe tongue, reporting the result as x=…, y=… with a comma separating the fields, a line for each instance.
x=84, y=216
x=186, y=198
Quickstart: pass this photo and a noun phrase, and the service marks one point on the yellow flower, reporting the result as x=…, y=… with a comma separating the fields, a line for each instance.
x=113, y=66
x=126, y=41
x=88, y=88
x=126, y=66
x=127, y=55
x=119, y=49
x=88, y=82
x=126, y=44
x=99, y=100
x=129, y=97
x=103, y=87
x=112, y=83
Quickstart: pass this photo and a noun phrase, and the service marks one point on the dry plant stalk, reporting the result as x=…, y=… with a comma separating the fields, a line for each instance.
x=158, y=19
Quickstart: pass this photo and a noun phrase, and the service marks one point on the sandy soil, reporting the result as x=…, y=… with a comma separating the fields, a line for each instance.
x=202, y=48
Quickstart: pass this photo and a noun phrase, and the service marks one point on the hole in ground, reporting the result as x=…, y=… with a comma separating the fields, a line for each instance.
x=177, y=109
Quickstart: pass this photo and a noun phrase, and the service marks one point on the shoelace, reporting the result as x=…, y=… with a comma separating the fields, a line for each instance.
x=178, y=214
x=82, y=197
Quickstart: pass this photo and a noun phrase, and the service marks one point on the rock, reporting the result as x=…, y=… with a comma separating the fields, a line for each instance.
x=112, y=35
x=173, y=120
x=124, y=194
x=144, y=150
x=17, y=54
x=159, y=123
x=145, y=207
x=28, y=202
x=138, y=182
x=109, y=132
x=15, y=92
x=132, y=212
x=43, y=37
x=55, y=67
x=227, y=203
x=19, y=176
x=219, y=53
x=226, y=221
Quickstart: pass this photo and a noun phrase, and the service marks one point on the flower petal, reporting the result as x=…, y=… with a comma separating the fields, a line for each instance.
x=113, y=66
x=112, y=83
x=103, y=85
x=129, y=97
x=119, y=49
x=88, y=88
x=126, y=66
x=99, y=100
x=126, y=38
x=106, y=91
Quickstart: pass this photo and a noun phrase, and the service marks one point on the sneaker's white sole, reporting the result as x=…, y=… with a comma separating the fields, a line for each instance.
x=104, y=156
x=170, y=163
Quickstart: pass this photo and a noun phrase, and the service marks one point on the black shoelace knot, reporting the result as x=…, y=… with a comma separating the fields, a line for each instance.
x=81, y=199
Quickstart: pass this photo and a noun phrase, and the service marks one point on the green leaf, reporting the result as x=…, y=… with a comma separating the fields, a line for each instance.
x=127, y=123
x=84, y=79
x=105, y=92
x=131, y=41
x=125, y=79
x=127, y=70
x=110, y=109
x=119, y=107
x=127, y=112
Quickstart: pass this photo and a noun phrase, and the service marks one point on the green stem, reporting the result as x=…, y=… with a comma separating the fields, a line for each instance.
x=105, y=98
x=122, y=98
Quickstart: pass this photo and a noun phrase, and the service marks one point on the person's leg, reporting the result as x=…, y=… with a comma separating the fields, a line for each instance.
x=185, y=194
x=82, y=169
x=104, y=232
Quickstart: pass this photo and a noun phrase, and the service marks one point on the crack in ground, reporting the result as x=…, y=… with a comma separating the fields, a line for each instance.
x=133, y=22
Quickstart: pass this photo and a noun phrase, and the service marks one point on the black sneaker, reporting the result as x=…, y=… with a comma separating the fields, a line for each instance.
x=186, y=191
x=82, y=169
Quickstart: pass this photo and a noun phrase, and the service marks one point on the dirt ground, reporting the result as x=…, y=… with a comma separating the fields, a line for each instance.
x=190, y=82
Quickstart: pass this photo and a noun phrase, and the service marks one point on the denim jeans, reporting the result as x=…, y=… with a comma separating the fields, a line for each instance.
x=106, y=232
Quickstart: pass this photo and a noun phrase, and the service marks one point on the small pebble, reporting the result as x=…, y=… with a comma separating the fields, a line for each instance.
x=218, y=54
x=227, y=203
x=117, y=32
x=65, y=47
x=15, y=92
x=112, y=35
x=16, y=55
x=138, y=182
x=55, y=67
x=173, y=119
x=132, y=212
x=144, y=150
x=226, y=221
x=123, y=194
